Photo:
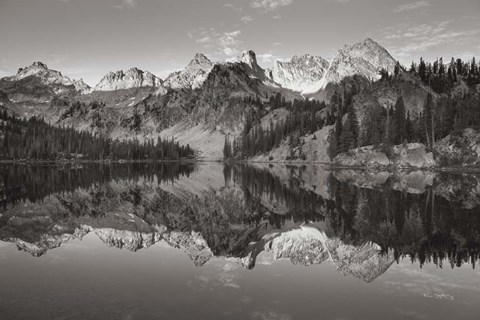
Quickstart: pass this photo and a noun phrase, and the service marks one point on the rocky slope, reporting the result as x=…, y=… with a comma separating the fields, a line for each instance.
x=300, y=73
x=132, y=78
x=193, y=76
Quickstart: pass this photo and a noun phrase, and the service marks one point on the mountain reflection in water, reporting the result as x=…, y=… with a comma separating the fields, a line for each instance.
x=360, y=221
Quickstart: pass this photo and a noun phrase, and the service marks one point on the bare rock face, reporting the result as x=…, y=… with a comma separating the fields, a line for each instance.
x=193, y=76
x=132, y=78
x=413, y=155
x=248, y=60
x=299, y=73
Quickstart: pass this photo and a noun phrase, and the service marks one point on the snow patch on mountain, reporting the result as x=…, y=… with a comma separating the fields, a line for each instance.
x=300, y=72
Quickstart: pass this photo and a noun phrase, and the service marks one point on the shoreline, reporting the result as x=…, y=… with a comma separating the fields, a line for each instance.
x=327, y=165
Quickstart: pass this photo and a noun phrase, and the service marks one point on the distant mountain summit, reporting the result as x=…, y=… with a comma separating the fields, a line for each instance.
x=132, y=78
x=193, y=76
x=300, y=72
x=366, y=58
x=49, y=77
x=249, y=60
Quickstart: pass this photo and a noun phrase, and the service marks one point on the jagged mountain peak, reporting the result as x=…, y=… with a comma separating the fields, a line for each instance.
x=36, y=64
x=49, y=77
x=193, y=75
x=250, y=58
x=132, y=78
x=199, y=58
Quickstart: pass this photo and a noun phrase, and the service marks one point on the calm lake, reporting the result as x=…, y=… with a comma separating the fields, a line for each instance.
x=211, y=241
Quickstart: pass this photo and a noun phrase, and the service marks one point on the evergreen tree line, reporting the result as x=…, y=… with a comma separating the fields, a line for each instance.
x=34, y=139
x=442, y=77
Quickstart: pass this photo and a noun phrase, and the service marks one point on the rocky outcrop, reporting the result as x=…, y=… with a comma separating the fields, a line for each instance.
x=248, y=60
x=365, y=156
x=410, y=155
x=459, y=149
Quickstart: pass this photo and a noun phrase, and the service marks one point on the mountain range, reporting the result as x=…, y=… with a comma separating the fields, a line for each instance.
x=208, y=103
x=304, y=73
x=198, y=105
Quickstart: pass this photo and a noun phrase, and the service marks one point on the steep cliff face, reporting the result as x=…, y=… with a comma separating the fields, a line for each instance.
x=300, y=73
x=132, y=78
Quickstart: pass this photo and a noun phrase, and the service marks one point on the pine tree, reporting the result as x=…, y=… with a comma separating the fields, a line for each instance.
x=422, y=71
x=227, y=152
x=400, y=121
x=429, y=120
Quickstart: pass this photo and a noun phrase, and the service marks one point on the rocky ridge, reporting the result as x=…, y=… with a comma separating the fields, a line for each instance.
x=193, y=76
x=49, y=77
x=132, y=78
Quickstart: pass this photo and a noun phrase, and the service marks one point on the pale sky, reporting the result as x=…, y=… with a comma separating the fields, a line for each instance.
x=87, y=38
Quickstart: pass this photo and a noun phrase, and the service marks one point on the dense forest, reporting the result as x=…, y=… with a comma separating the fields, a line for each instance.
x=452, y=105
x=34, y=139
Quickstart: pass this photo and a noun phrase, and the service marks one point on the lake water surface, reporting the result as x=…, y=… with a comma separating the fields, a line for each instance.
x=208, y=241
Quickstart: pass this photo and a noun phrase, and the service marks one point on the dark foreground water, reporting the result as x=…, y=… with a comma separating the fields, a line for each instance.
x=171, y=241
